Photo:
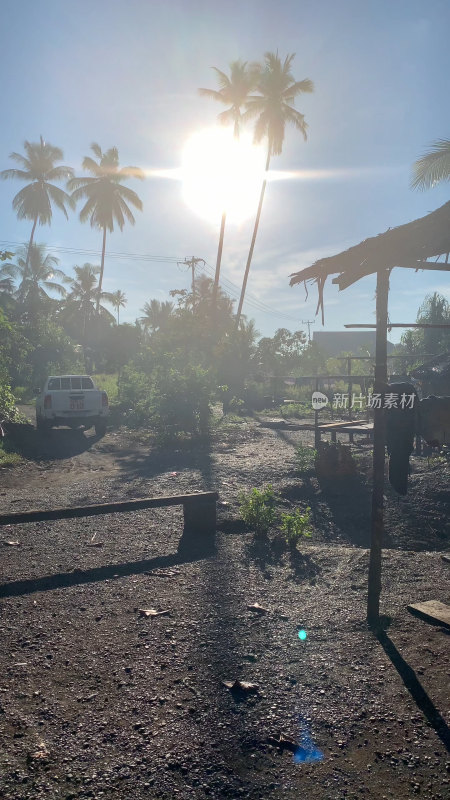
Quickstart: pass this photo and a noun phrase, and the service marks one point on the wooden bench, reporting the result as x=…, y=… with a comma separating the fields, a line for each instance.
x=199, y=510
x=347, y=427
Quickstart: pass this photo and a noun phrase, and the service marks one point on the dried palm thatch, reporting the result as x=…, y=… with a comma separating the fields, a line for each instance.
x=408, y=245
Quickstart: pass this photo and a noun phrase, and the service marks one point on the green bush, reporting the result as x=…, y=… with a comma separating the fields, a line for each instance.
x=108, y=384
x=295, y=526
x=8, y=410
x=258, y=508
x=170, y=399
x=305, y=458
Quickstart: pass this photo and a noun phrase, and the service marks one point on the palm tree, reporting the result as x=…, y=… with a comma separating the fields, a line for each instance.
x=433, y=167
x=118, y=300
x=273, y=109
x=156, y=315
x=233, y=91
x=107, y=200
x=82, y=297
x=35, y=200
x=35, y=273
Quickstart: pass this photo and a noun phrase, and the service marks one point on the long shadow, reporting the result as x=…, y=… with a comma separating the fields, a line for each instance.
x=194, y=455
x=415, y=688
x=55, y=444
x=63, y=580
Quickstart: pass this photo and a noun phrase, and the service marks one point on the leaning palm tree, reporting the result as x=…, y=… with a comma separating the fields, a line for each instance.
x=35, y=200
x=107, y=200
x=118, y=300
x=433, y=167
x=277, y=91
x=35, y=274
x=233, y=92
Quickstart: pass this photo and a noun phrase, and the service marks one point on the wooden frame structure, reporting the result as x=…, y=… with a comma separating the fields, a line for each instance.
x=408, y=247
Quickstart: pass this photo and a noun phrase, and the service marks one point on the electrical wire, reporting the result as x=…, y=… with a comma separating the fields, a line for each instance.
x=230, y=288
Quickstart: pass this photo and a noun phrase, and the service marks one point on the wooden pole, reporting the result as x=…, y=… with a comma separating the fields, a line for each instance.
x=377, y=530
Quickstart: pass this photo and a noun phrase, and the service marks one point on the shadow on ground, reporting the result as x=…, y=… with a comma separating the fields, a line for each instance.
x=57, y=443
x=63, y=580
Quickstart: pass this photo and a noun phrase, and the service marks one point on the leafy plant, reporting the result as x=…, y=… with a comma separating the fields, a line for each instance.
x=258, y=508
x=296, y=525
x=305, y=458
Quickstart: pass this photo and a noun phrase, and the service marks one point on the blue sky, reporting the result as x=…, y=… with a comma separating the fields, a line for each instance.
x=126, y=75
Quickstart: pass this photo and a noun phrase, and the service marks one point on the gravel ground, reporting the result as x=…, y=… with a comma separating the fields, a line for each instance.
x=99, y=701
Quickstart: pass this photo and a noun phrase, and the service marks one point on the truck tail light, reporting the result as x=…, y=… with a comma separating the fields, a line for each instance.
x=48, y=401
x=104, y=399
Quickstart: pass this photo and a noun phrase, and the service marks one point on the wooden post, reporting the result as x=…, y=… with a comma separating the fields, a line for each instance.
x=316, y=421
x=199, y=528
x=377, y=530
x=350, y=388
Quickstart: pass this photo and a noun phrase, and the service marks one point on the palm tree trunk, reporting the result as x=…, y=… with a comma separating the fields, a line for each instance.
x=102, y=266
x=219, y=260
x=31, y=241
x=252, y=246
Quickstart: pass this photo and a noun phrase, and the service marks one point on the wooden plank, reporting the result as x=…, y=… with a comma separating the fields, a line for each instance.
x=108, y=508
x=432, y=610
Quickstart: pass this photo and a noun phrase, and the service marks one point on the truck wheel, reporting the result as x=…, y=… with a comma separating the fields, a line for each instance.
x=100, y=427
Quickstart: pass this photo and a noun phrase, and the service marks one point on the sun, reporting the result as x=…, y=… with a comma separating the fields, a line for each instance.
x=221, y=173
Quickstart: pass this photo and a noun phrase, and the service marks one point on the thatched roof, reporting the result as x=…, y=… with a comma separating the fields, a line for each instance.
x=408, y=245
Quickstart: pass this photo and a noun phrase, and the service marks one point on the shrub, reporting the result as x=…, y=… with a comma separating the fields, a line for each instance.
x=258, y=508
x=305, y=458
x=172, y=400
x=295, y=526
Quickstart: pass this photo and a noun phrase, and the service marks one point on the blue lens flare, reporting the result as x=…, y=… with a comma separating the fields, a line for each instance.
x=302, y=635
x=307, y=752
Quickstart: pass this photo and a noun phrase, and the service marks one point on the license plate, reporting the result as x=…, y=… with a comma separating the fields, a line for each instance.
x=77, y=404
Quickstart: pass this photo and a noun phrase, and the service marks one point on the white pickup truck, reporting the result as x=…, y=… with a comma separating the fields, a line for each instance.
x=71, y=400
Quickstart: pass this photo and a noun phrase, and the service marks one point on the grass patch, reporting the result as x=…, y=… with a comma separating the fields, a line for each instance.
x=8, y=458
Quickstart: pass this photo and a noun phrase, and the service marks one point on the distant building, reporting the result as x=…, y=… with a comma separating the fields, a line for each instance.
x=333, y=343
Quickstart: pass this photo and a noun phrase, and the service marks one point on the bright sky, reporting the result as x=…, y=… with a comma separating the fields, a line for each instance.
x=126, y=75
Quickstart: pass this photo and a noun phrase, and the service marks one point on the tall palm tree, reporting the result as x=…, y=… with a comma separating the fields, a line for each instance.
x=118, y=300
x=35, y=200
x=233, y=91
x=107, y=200
x=433, y=167
x=278, y=89
x=35, y=273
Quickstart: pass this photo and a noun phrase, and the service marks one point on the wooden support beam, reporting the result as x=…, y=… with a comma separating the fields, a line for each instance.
x=377, y=522
x=186, y=500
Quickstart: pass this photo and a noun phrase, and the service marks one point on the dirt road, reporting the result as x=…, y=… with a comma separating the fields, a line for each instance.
x=96, y=700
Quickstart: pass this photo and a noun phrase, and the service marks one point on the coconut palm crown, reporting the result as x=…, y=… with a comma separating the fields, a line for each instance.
x=233, y=91
x=107, y=201
x=274, y=106
x=35, y=200
x=35, y=273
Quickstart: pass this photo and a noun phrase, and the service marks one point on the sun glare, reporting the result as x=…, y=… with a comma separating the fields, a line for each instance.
x=222, y=173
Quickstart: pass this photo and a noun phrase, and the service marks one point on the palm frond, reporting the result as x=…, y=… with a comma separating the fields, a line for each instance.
x=130, y=196
x=212, y=94
x=433, y=167
x=19, y=174
x=131, y=172
x=97, y=150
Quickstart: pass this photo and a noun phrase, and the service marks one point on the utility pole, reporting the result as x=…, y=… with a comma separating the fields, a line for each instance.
x=308, y=322
x=192, y=264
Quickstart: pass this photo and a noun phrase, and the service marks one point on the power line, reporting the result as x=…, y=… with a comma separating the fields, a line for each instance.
x=227, y=285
